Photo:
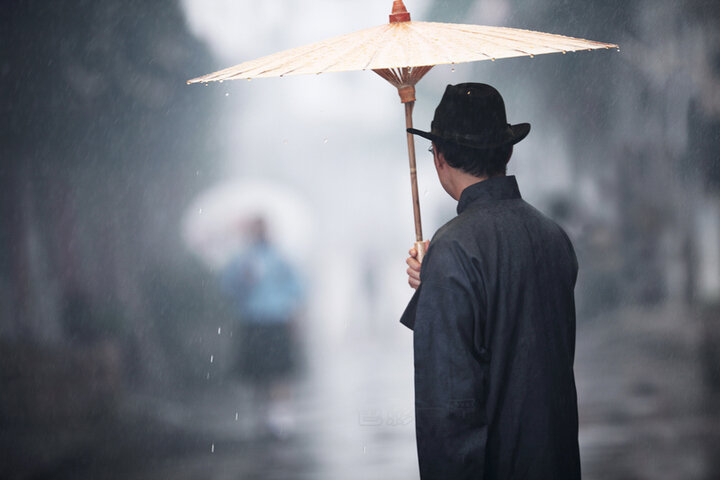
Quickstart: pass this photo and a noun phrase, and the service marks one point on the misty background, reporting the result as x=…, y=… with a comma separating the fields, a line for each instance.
x=120, y=186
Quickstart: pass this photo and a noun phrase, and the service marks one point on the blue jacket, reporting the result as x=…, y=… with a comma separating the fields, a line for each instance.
x=264, y=286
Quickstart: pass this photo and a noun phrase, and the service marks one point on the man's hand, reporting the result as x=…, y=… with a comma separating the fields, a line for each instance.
x=413, y=270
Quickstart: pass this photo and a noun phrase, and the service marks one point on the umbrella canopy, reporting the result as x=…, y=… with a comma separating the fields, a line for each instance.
x=405, y=44
x=402, y=52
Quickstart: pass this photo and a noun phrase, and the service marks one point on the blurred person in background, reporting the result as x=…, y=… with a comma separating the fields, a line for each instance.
x=267, y=296
x=493, y=314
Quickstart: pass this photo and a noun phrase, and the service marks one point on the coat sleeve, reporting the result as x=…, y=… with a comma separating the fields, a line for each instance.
x=450, y=381
x=408, y=316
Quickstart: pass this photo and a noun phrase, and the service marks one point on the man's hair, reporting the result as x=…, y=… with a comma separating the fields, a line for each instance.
x=475, y=161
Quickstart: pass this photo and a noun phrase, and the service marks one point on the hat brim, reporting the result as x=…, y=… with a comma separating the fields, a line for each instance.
x=515, y=134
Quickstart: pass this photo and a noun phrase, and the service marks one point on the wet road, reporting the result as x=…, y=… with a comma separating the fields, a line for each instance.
x=644, y=413
x=644, y=409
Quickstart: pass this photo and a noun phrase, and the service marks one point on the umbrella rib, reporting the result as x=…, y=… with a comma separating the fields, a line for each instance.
x=382, y=48
x=485, y=37
x=264, y=65
x=520, y=42
x=445, y=44
x=511, y=34
x=299, y=55
x=533, y=43
x=302, y=52
x=389, y=75
x=572, y=40
x=357, y=46
x=448, y=45
x=516, y=48
x=416, y=73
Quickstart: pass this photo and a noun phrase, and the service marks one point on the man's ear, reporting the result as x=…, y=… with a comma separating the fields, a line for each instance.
x=439, y=159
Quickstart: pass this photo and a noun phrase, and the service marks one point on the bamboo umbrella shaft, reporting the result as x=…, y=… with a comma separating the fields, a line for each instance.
x=413, y=171
x=419, y=243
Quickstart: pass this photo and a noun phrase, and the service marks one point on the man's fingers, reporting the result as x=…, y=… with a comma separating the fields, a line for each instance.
x=412, y=273
x=414, y=264
x=413, y=270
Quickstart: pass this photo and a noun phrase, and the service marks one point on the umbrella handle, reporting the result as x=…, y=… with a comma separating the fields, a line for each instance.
x=421, y=248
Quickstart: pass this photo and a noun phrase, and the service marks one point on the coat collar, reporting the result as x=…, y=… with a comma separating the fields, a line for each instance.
x=495, y=188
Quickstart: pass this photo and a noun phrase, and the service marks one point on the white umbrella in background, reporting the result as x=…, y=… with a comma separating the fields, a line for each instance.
x=216, y=225
x=402, y=52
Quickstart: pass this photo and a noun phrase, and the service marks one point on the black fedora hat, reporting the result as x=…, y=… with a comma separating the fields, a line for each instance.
x=473, y=115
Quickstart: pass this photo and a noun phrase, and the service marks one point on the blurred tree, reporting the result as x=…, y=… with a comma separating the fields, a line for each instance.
x=100, y=154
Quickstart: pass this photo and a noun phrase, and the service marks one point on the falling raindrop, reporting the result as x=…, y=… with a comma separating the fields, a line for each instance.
x=197, y=173
x=219, y=330
x=236, y=416
x=207, y=376
x=325, y=141
x=227, y=94
x=200, y=211
x=618, y=49
x=212, y=358
x=212, y=448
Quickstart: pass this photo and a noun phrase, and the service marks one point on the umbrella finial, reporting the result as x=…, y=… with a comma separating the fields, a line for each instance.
x=399, y=12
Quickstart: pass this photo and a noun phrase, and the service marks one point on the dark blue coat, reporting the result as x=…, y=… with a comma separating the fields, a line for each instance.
x=494, y=343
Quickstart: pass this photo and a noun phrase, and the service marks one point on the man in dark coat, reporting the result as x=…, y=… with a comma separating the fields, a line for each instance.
x=493, y=314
